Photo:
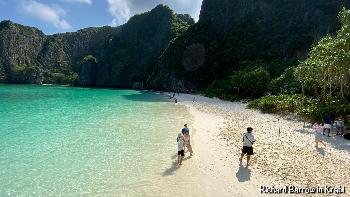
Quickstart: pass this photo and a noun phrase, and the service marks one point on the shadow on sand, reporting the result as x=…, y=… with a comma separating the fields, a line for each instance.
x=170, y=171
x=335, y=141
x=321, y=151
x=338, y=142
x=304, y=131
x=243, y=174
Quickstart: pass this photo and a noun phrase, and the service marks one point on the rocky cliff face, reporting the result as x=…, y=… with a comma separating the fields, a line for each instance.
x=163, y=50
x=104, y=56
x=29, y=56
x=61, y=53
x=128, y=58
x=19, y=47
x=232, y=31
x=288, y=27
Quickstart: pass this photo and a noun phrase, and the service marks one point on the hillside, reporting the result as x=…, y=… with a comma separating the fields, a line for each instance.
x=128, y=58
x=236, y=35
x=103, y=56
x=233, y=43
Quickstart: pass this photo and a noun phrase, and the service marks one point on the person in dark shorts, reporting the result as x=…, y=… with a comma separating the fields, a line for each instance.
x=180, y=148
x=248, y=140
x=327, y=124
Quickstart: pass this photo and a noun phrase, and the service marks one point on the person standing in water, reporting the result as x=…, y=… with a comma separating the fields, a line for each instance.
x=180, y=148
x=248, y=140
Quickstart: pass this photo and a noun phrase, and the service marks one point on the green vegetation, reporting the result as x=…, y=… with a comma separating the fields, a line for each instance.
x=122, y=57
x=326, y=73
x=253, y=79
x=60, y=78
x=324, y=78
x=234, y=36
x=237, y=50
x=129, y=58
x=241, y=84
x=308, y=107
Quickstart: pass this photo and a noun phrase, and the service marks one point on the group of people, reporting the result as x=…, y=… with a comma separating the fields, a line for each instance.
x=338, y=123
x=248, y=139
x=183, y=142
x=175, y=99
x=326, y=126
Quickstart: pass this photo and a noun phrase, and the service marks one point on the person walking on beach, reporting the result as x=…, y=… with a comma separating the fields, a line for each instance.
x=180, y=148
x=318, y=133
x=184, y=131
x=187, y=139
x=339, y=123
x=248, y=141
x=327, y=124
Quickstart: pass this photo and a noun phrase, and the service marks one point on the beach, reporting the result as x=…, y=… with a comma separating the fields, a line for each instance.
x=101, y=142
x=285, y=154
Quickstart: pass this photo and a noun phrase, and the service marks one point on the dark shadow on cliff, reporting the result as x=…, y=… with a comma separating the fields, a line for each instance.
x=243, y=174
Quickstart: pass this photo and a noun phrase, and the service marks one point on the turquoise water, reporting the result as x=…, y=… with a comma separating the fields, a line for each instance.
x=63, y=141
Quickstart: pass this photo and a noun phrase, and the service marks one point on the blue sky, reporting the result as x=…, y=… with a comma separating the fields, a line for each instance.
x=55, y=16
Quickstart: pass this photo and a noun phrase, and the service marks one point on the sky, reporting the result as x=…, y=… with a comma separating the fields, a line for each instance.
x=57, y=16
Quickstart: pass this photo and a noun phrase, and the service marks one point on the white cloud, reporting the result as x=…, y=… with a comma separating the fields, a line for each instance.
x=89, y=2
x=114, y=23
x=46, y=13
x=120, y=10
x=192, y=7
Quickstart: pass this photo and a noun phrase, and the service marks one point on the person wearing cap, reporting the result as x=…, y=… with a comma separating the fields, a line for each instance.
x=248, y=141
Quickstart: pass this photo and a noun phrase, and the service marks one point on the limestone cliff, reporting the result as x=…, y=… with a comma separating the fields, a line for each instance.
x=233, y=31
x=122, y=56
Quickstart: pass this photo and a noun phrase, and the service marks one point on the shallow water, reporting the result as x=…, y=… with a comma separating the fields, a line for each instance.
x=63, y=141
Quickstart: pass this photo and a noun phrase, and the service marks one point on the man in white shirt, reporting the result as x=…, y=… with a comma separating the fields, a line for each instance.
x=180, y=148
x=248, y=140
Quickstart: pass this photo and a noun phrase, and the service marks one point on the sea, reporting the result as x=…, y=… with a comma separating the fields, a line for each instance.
x=70, y=141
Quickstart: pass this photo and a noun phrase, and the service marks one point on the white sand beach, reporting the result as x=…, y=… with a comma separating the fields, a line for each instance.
x=284, y=152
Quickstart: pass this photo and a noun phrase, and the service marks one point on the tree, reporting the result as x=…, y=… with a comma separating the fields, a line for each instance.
x=327, y=69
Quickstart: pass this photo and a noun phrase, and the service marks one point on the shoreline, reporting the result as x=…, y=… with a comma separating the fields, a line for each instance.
x=284, y=152
x=220, y=172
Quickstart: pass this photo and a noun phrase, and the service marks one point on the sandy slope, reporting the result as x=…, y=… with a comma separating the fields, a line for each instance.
x=282, y=158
